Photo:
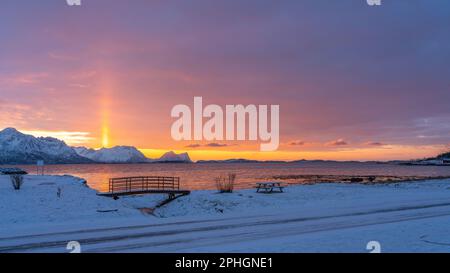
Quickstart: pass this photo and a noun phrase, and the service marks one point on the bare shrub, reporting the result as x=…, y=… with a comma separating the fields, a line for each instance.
x=225, y=183
x=17, y=181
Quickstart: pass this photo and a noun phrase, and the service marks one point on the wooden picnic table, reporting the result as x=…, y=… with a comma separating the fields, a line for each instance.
x=270, y=187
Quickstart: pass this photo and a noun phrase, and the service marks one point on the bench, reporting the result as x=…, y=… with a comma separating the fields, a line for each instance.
x=269, y=187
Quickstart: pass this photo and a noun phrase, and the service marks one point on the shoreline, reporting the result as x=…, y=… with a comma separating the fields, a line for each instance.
x=202, y=176
x=225, y=162
x=311, y=179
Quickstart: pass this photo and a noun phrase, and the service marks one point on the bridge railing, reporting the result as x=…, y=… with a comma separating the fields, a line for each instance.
x=143, y=183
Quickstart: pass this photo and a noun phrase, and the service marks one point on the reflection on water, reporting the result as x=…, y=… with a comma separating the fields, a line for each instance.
x=201, y=176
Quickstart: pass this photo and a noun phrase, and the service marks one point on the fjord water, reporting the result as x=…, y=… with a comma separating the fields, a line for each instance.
x=201, y=176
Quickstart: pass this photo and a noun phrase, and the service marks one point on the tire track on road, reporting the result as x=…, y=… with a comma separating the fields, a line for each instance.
x=150, y=234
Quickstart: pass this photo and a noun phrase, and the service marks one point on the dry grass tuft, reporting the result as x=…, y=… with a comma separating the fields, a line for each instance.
x=17, y=181
x=225, y=183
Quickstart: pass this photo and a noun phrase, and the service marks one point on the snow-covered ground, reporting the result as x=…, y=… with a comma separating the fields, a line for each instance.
x=406, y=217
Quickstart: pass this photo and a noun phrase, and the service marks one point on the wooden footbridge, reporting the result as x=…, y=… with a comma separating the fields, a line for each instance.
x=145, y=185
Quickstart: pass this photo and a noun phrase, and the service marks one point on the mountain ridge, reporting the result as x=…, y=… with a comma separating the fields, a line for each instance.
x=19, y=148
x=118, y=154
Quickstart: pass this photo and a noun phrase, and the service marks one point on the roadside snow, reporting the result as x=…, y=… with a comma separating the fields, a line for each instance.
x=56, y=199
x=306, y=198
x=410, y=217
x=38, y=200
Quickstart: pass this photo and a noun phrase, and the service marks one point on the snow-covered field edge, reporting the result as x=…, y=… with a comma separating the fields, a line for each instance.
x=406, y=217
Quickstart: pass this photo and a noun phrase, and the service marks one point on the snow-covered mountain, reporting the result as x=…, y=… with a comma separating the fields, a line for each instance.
x=19, y=148
x=127, y=154
x=118, y=154
x=173, y=157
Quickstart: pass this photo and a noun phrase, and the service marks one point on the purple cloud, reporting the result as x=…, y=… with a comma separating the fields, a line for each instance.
x=213, y=145
x=297, y=143
x=374, y=143
x=193, y=146
x=339, y=142
x=217, y=145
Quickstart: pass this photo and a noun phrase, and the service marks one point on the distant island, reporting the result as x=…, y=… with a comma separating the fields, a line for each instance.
x=440, y=160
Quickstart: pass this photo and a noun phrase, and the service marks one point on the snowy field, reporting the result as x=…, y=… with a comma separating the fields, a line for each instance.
x=50, y=211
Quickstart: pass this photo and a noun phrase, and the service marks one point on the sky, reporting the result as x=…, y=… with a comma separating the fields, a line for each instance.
x=354, y=82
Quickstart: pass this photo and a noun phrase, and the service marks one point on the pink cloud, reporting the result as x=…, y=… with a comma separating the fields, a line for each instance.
x=61, y=57
x=20, y=115
x=23, y=79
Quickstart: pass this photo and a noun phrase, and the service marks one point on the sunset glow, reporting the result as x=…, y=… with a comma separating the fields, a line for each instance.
x=71, y=138
x=106, y=82
x=105, y=137
x=224, y=132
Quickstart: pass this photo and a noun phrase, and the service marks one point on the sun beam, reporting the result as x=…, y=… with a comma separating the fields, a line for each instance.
x=105, y=106
x=105, y=137
x=105, y=141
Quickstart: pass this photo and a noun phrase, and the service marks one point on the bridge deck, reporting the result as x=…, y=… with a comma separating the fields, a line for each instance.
x=144, y=185
x=138, y=192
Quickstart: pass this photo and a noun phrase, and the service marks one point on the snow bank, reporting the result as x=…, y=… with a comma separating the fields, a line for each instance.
x=56, y=199
x=331, y=197
x=410, y=217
